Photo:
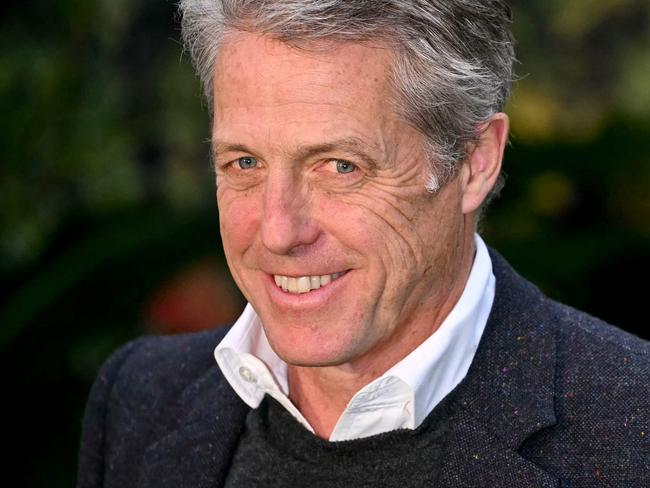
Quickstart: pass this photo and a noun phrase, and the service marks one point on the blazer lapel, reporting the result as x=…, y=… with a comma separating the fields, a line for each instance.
x=507, y=394
x=478, y=458
x=198, y=453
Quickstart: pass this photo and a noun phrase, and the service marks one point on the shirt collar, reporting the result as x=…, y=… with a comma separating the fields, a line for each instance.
x=404, y=395
x=437, y=365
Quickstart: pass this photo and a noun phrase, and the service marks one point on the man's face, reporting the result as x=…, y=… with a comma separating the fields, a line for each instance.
x=321, y=185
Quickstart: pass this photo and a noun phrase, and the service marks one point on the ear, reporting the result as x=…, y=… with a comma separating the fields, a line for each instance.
x=482, y=167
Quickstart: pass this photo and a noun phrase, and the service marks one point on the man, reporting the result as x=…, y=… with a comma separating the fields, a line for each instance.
x=355, y=145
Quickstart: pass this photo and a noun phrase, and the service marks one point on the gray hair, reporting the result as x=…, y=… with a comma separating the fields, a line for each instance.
x=452, y=73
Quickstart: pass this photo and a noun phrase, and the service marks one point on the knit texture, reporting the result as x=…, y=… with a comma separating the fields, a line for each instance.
x=553, y=398
x=276, y=450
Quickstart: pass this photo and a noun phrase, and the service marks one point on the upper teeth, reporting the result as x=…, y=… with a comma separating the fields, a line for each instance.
x=304, y=283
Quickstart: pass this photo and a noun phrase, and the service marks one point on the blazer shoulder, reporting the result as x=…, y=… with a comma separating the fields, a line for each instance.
x=158, y=368
x=602, y=375
x=598, y=365
x=137, y=397
x=582, y=336
x=585, y=336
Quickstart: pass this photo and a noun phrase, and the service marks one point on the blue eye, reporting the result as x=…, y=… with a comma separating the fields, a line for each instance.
x=344, y=166
x=247, y=162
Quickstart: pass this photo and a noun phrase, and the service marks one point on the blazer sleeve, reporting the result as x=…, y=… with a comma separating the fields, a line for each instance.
x=93, y=438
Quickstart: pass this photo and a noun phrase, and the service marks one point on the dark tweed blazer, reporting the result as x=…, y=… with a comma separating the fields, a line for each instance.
x=553, y=398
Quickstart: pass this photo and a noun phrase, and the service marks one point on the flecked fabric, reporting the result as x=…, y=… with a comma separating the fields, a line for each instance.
x=276, y=450
x=553, y=398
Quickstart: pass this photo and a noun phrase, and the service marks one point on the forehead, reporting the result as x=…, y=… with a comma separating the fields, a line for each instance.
x=259, y=77
x=277, y=64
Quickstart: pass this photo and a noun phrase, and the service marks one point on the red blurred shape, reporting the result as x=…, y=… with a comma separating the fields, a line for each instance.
x=202, y=296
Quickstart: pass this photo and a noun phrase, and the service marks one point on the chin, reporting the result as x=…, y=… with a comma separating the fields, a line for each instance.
x=311, y=346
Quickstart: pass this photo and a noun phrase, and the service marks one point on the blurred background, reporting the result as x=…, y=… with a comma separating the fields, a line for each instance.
x=108, y=225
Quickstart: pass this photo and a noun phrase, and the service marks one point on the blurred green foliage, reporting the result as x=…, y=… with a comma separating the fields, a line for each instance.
x=101, y=112
x=106, y=189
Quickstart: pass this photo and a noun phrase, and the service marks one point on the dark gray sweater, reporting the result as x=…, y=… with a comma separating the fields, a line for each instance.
x=276, y=450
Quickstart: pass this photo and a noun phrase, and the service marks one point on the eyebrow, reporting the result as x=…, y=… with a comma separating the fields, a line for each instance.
x=351, y=145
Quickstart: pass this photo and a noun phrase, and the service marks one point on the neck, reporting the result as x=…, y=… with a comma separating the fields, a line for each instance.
x=321, y=394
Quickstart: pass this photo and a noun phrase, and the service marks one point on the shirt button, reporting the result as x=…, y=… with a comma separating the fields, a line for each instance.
x=247, y=374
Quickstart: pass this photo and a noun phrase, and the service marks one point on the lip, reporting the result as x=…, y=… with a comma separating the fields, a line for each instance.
x=301, y=301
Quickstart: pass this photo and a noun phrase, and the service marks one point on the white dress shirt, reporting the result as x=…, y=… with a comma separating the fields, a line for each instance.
x=400, y=398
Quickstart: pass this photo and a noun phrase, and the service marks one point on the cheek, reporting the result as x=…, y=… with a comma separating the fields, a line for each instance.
x=380, y=239
x=387, y=228
x=348, y=223
x=239, y=219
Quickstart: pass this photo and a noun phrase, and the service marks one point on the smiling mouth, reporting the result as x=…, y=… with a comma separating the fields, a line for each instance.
x=305, y=284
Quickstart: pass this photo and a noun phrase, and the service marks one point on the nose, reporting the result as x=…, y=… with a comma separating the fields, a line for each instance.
x=287, y=224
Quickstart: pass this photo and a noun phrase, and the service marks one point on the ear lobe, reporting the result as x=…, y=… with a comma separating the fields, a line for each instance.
x=482, y=167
